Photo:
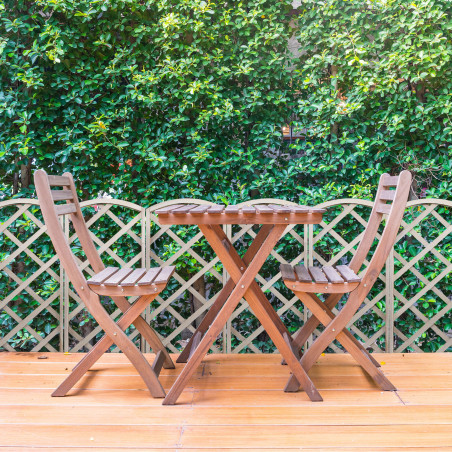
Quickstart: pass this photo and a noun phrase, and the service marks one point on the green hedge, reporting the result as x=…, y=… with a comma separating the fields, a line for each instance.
x=173, y=98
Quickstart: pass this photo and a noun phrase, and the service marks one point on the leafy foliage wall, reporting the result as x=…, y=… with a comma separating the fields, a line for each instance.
x=165, y=99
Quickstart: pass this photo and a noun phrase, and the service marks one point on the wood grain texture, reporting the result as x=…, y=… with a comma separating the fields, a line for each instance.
x=222, y=411
x=247, y=215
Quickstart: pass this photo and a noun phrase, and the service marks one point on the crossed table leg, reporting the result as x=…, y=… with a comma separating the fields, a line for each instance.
x=223, y=296
x=244, y=285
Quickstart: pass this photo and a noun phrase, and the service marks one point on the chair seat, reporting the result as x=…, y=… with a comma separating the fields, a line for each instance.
x=341, y=279
x=129, y=282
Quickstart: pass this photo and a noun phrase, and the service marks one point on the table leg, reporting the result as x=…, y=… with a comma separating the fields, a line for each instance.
x=242, y=264
x=223, y=315
x=224, y=294
x=259, y=304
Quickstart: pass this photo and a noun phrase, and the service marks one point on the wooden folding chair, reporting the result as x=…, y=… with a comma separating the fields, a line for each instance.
x=391, y=198
x=111, y=281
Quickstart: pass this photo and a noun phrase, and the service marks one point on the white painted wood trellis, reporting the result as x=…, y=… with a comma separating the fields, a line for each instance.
x=40, y=288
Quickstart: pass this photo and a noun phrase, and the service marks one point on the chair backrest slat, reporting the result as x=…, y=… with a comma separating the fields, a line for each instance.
x=383, y=208
x=58, y=181
x=387, y=195
x=389, y=181
x=64, y=209
x=62, y=195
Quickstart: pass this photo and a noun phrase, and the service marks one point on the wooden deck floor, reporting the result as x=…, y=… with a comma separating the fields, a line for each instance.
x=234, y=402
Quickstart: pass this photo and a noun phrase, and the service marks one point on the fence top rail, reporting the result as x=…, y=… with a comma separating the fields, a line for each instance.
x=134, y=206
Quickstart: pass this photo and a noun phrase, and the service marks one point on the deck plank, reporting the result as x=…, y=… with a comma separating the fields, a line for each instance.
x=229, y=405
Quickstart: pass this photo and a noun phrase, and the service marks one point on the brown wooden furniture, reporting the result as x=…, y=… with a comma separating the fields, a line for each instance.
x=274, y=220
x=113, y=282
x=305, y=282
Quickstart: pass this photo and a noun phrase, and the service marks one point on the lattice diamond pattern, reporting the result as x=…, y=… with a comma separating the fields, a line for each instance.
x=423, y=252
x=29, y=272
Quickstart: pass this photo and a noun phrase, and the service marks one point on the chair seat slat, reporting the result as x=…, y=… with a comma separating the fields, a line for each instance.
x=332, y=275
x=149, y=277
x=118, y=277
x=134, y=277
x=347, y=273
x=287, y=272
x=164, y=275
x=64, y=209
x=302, y=273
x=317, y=275
x=103, y=275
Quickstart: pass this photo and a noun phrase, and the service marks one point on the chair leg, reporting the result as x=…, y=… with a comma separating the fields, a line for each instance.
x=332, y=326
x=313, y=322
x=115, y=331
x=147, y=332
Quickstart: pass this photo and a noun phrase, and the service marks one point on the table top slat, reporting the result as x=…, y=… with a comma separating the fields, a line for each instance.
x=168, y=209
x=264, y=209
x=231, y=210
x=248, y=210
x=280, y=209
x=216, y=210
x=200, y=209
x=184, y=209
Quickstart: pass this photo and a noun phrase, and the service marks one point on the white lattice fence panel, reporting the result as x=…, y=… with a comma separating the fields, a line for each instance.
x=409, y=309
x=30, y=316
x=423, y=278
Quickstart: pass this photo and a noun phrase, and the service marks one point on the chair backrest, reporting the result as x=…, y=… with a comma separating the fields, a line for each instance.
x=51, y=212
x=391, y=199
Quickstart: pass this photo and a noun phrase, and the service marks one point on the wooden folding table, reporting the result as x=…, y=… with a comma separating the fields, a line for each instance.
x=274, y=220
